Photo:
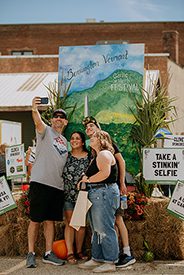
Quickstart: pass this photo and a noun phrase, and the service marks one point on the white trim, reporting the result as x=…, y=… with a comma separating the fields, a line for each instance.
x=29, y=56
x=57, y=56
x=156, y=54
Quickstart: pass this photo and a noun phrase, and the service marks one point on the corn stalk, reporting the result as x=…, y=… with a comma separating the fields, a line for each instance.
x=57, y=101
x=151, y=113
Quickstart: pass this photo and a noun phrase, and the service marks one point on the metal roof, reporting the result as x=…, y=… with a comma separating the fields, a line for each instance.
x=18, y=89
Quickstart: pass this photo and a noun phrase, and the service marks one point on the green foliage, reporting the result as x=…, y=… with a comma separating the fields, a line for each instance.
x=109, y=102
x=57, y=102
x=148, y=255
x=120, y=134
x=151, y=114
x=104, y=92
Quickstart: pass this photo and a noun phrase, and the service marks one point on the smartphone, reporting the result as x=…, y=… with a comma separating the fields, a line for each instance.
x=44, y=100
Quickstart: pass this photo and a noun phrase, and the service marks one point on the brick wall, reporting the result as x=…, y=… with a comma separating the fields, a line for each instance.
x=46, y=38
x=27, y=65
x=41, y=64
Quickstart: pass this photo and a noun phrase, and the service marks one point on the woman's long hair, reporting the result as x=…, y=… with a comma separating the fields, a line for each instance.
x=105, y=141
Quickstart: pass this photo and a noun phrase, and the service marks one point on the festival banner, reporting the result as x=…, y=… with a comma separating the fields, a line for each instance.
x=105, y=80
x=163, y=166
x=7, y=202
x=176, y=204
x=174, y=141
x=15, y=162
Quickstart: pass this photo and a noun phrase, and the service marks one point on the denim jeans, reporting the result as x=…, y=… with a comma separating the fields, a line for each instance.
x=105, y=201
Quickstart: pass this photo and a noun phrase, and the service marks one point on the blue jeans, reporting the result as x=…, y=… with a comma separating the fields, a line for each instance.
x=105, y=201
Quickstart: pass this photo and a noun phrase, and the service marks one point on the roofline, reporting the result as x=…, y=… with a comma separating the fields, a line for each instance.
x=95, y=22
x=30, y=56
x=57, y=55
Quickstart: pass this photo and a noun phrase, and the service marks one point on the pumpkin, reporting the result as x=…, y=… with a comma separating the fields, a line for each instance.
x=60, y=249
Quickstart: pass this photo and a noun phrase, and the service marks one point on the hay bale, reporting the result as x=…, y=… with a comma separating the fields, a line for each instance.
x=163, y=232
x=21, y=236
x=8, y=245
x=59, y=230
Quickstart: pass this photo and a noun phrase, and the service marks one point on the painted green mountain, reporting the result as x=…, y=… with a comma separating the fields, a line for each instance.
x=109, y=99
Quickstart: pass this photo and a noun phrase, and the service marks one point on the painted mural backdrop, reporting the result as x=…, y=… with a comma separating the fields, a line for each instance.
x=104, y=80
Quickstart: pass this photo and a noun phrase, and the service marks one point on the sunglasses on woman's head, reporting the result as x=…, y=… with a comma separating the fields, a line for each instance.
x=88, y=119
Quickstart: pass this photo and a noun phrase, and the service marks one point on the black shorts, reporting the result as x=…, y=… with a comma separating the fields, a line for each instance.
x=46, y=203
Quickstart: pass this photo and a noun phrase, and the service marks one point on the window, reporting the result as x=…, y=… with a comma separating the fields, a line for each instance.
x=22, y=53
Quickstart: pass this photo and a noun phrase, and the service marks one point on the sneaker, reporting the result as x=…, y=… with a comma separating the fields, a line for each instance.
x=89, y=264
x=105, y=268
x=30, y=260
x=52, y=259
x=125, y=260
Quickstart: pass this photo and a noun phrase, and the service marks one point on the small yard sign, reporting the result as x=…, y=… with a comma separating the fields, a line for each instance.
x=176, y=204
x=174, y=141
x=7, y=202
x=15, y=163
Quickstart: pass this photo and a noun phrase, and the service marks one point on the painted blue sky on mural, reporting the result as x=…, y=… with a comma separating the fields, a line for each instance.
x=85, y=65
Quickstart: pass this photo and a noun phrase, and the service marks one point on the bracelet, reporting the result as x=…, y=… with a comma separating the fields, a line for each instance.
x=34, y=110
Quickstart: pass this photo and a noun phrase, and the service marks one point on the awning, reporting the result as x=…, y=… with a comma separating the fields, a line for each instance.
x=17, y=90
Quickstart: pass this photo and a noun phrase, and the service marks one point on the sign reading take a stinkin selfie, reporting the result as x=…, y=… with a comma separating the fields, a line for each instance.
x=163, y=165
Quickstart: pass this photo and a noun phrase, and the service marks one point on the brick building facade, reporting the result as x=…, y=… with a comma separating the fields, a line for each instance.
x=44, y=39
x=164, y=44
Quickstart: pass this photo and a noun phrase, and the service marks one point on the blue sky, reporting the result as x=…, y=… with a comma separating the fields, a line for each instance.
x=66, y=11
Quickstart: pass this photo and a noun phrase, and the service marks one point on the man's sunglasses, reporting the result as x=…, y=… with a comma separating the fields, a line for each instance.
x=59, y=116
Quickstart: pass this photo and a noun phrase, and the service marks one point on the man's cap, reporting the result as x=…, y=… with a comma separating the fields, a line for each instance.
x=90, y=119
x=60, y=111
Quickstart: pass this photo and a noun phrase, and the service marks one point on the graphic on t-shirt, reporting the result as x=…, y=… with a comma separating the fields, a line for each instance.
x=60, y=145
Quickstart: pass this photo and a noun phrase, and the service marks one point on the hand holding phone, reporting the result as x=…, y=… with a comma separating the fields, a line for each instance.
x=44, y=100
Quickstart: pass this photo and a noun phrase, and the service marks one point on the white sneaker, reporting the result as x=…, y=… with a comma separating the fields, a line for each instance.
x=89, y=264
x=105, y=268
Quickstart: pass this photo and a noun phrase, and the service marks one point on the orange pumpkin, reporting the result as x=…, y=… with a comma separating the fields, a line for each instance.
x=60, y=249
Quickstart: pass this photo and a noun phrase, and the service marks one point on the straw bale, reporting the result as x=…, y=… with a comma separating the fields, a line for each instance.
x=59, y=230
x=163, y=232
x=7, y=240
